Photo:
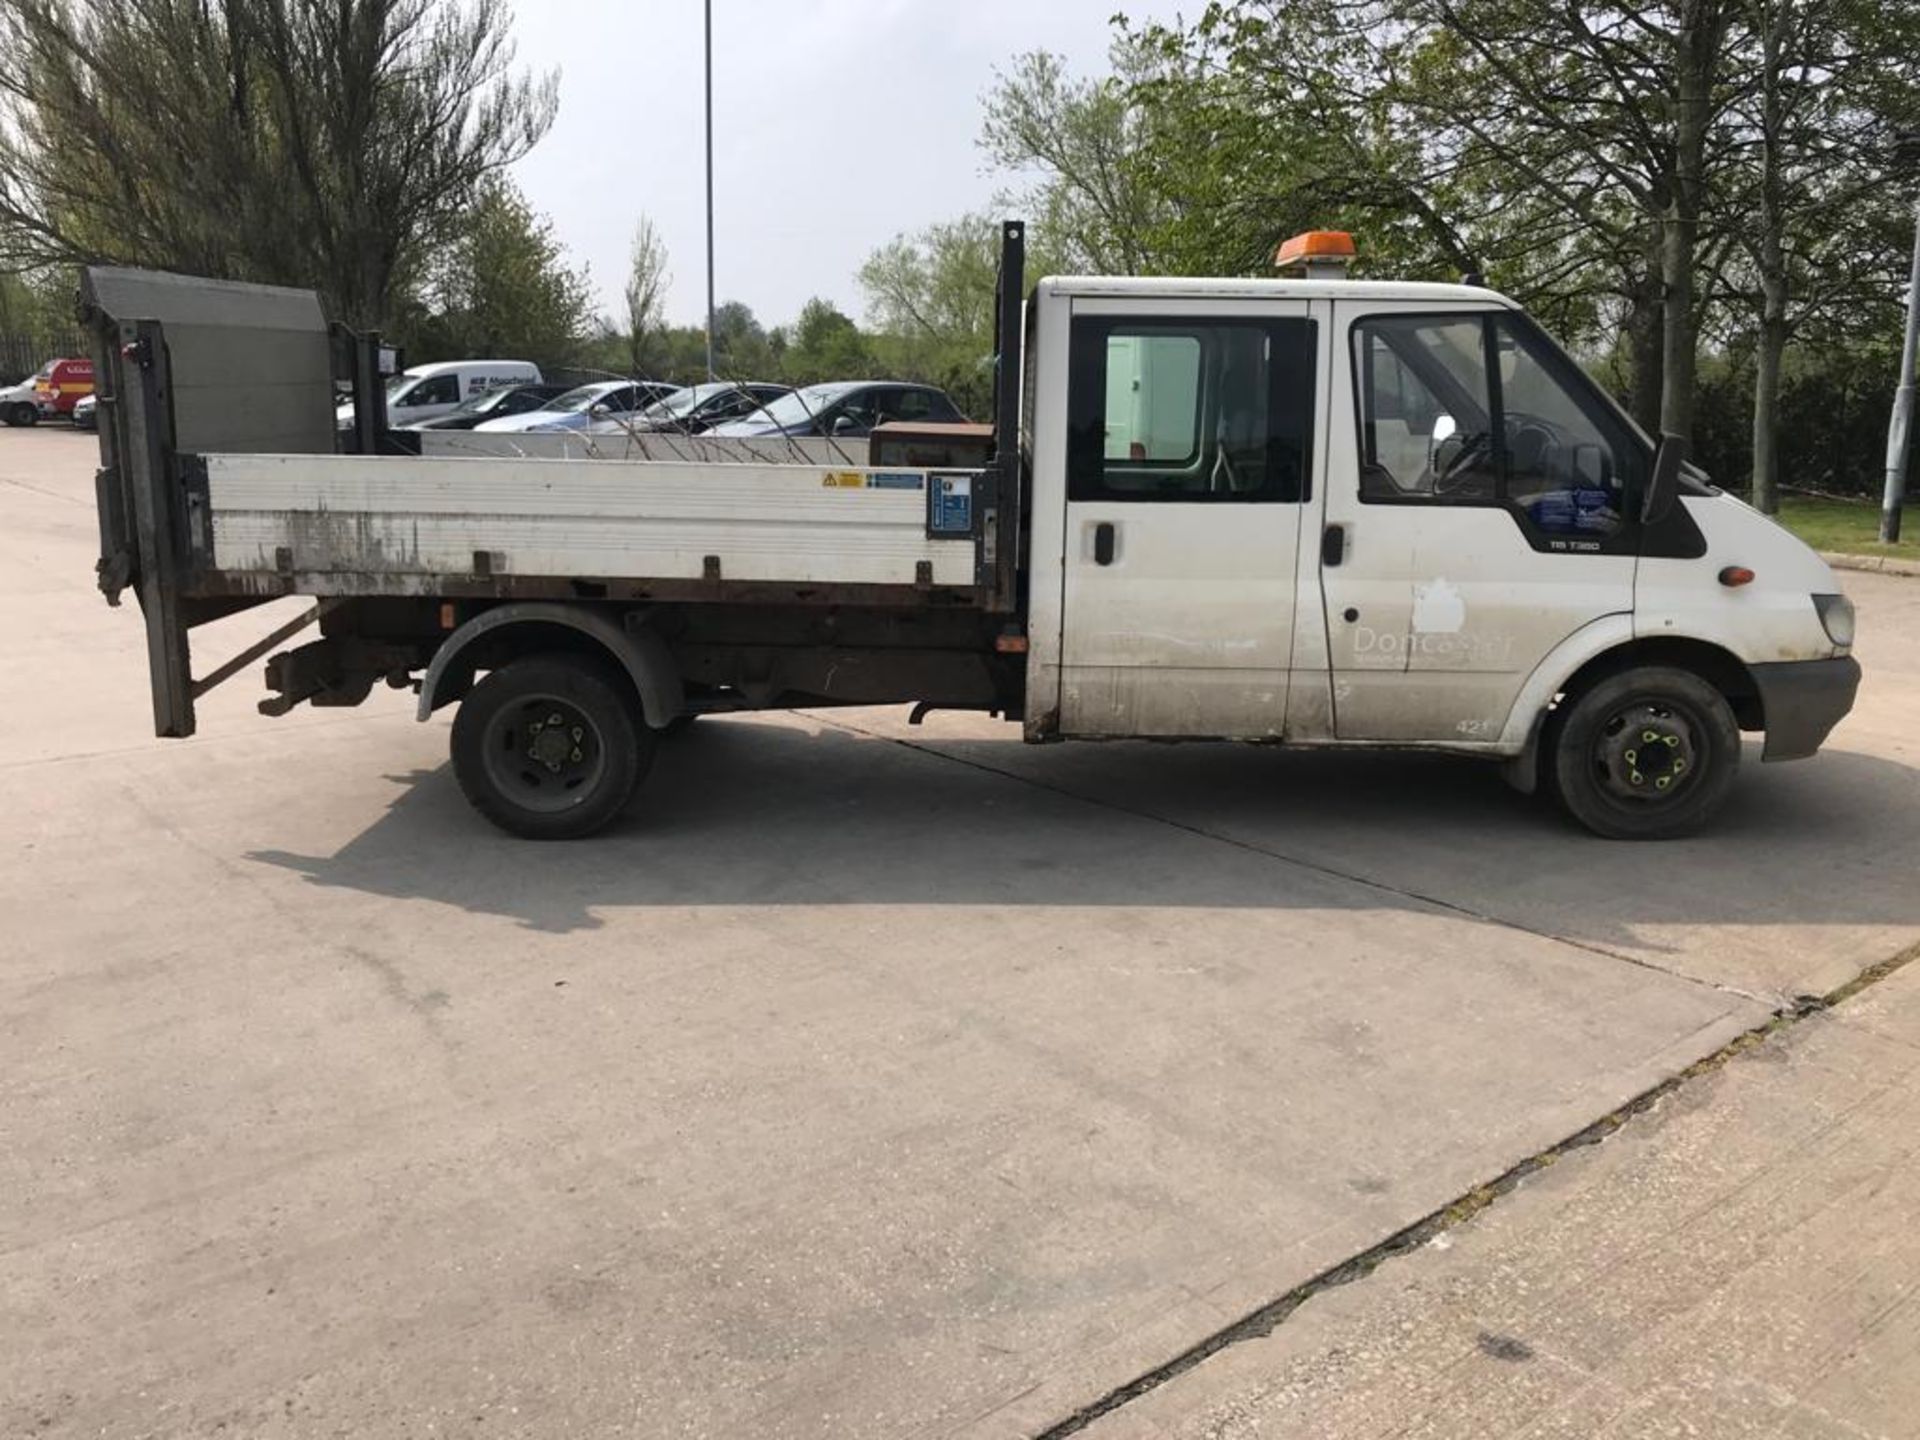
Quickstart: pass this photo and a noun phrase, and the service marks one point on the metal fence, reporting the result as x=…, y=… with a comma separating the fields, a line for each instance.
x=21, y=355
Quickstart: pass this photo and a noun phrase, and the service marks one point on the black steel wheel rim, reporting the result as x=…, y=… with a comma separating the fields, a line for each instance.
x=544, y=753
x=1647, y=752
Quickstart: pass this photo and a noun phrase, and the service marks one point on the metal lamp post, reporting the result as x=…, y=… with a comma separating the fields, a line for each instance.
x=710, y=371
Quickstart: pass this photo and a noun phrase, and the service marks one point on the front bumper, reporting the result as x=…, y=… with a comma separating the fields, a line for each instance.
x=1802, y=700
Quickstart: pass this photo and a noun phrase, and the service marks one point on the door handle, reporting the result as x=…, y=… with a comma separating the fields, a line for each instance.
x=1103, y=543
x=1333, y=545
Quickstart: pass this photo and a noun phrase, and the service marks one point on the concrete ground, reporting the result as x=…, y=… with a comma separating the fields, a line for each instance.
x=1742, y=1261
x=866, y=1081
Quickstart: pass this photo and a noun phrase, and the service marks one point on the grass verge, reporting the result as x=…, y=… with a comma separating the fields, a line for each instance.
x=1848, y=527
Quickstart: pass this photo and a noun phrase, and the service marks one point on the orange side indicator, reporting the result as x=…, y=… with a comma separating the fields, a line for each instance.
x=1736, y=575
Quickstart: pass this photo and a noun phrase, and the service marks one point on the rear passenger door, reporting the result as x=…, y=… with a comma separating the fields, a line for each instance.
x=1190, y=456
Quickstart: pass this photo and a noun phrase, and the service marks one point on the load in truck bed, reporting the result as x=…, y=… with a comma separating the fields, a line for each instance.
x=357, y=525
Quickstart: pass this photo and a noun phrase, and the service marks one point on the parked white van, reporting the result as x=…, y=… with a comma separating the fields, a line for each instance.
x=426, y=392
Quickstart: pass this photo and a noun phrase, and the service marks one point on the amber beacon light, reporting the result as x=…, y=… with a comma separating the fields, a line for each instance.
x=1317, y=252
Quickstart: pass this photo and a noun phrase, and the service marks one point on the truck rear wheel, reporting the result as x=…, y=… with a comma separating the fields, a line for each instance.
x=1648, y=754
x=548, y=748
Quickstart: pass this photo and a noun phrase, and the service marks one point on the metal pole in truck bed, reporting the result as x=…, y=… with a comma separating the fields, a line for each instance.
x=1009, y=338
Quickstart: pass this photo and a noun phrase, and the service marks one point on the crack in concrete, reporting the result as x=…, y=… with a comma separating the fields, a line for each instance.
x=85, y=504
x=1262, y=1322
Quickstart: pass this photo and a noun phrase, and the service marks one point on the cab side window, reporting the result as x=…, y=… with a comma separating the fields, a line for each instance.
x=1426, y=416
x=1478, y=409
x=1202, y=411
x=909, y=405
x=862, y=408
x=440, y=390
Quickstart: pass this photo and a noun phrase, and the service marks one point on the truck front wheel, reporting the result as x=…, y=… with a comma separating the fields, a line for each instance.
x=1647, y=754
x=548, y=748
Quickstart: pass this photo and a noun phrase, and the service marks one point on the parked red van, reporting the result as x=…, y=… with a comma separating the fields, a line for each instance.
x=65, y=383
x=54, y=389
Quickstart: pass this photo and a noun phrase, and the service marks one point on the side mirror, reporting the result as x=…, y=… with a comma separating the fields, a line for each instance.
x=1443, y=428
x=845, y=425
x=1663, y=484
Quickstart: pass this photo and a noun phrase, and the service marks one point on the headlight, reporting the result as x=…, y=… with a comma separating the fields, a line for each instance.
x=1836, y=614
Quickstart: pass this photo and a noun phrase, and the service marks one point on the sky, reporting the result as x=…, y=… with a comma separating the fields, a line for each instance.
x=838, y=124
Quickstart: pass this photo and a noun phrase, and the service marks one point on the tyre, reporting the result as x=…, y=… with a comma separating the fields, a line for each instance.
x=21, y=414
x=1647, y=754
x=548, y=748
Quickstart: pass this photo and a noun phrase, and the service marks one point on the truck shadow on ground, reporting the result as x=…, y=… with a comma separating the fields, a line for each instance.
x=740, y=813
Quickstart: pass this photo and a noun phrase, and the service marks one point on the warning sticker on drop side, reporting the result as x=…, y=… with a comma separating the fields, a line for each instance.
x=950, y=506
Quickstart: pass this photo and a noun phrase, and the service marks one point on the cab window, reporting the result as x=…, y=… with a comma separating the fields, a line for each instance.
x=1479, y=409
x=910, y=405
x=437, y=390
x=1197, y=411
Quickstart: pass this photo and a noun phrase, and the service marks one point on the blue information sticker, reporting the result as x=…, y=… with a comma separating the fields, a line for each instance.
x=951, y=508
x=894, y=480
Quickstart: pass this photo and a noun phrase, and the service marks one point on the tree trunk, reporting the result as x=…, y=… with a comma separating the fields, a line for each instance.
x=1696, y=53
x=1766, y=408
x=1645, y=337
x=1770, y=258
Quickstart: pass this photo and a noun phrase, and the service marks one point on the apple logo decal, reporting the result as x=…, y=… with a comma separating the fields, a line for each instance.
x=1438, y=608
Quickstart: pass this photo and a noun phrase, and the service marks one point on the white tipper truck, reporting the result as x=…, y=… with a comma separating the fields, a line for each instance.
x=1309, y=511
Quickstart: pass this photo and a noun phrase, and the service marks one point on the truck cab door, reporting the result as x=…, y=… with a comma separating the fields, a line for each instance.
x=1481, y=487
x=1189, y=463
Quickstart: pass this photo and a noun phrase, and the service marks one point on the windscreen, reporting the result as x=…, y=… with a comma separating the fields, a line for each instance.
x=802, y=405
x=582, y=398
x=483, y=402
x=684, y=401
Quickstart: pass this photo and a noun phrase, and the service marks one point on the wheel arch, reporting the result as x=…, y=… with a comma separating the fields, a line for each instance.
x=1606, y=647
x=509, y=632
x=1715, y=664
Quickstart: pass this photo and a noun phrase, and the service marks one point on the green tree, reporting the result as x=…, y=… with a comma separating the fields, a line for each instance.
x=1075, y=141
x=503, y=287
x=742, y=349
x=930, y=302
x=935, y=289
x=825, y=345
x=329, y=143
x=645, y=295
x=1820, y=194
x=35, y=304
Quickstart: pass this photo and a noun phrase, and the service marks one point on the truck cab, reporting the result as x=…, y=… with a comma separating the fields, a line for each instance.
x=1321, y=511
